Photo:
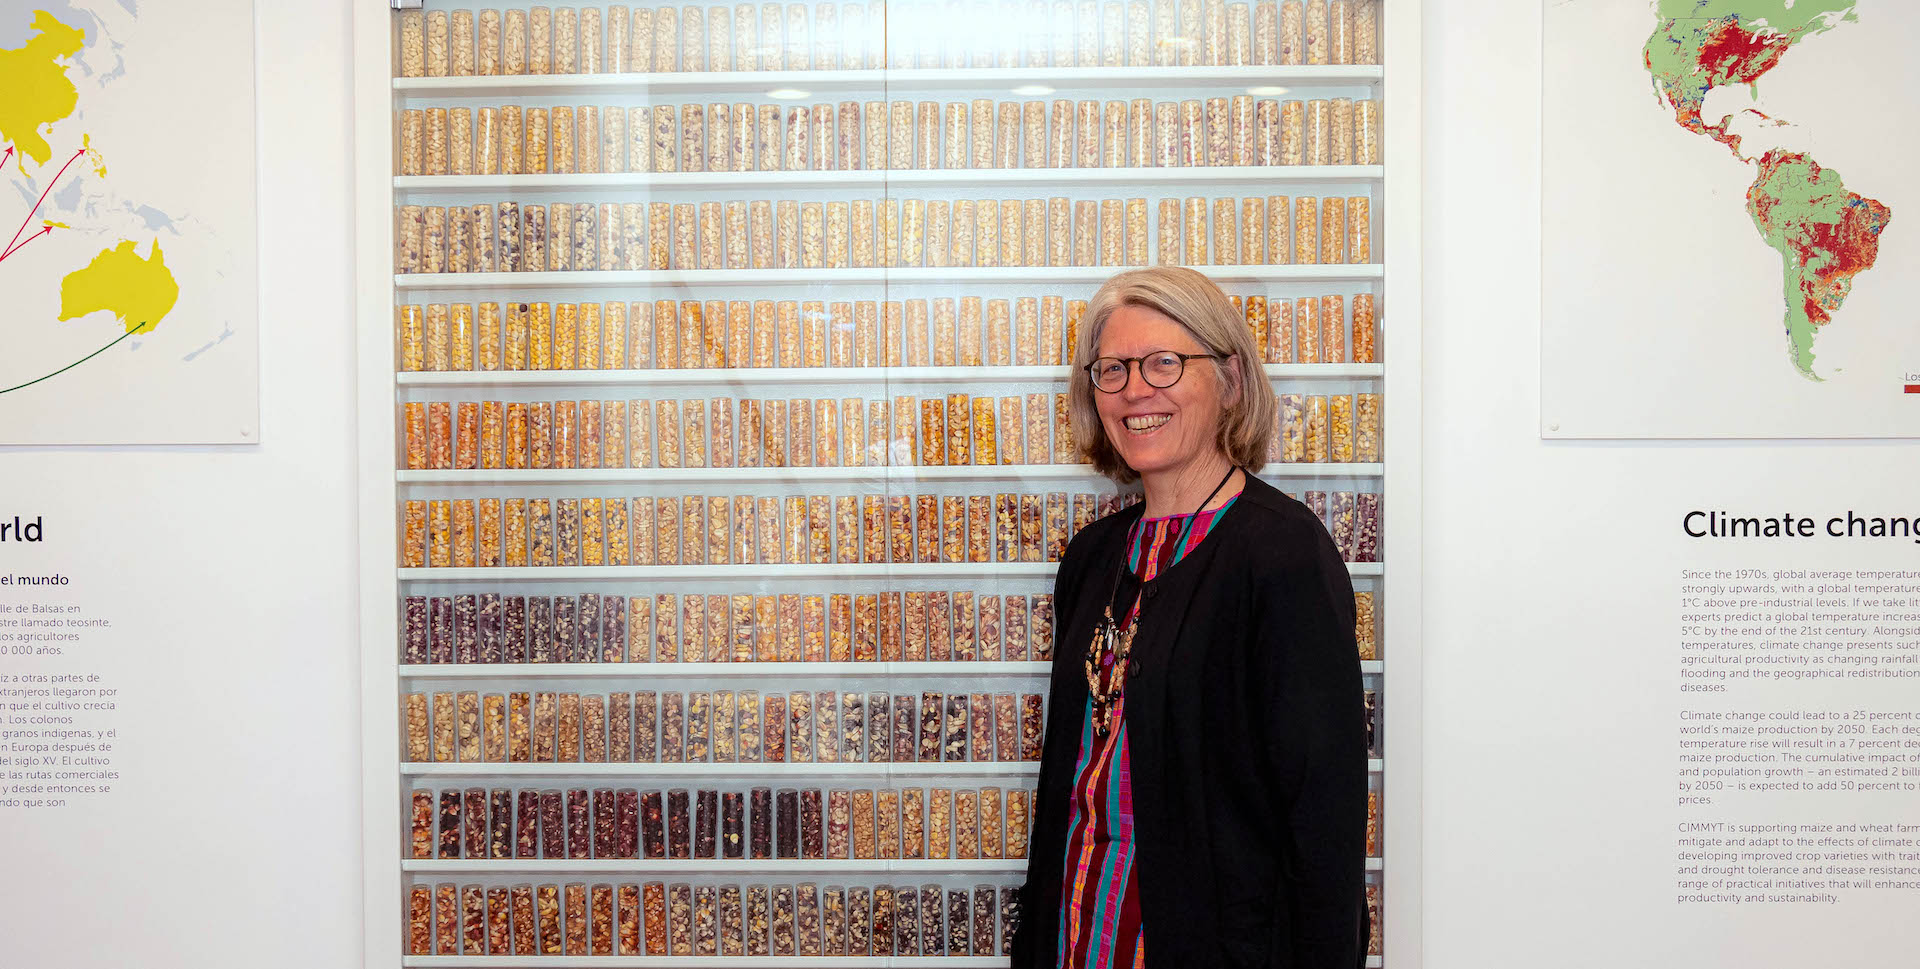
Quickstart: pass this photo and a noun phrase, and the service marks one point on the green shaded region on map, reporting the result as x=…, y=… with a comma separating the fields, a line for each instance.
x=1825, y=235
x=1703, y=44
x=34, y=89
x=138, y=292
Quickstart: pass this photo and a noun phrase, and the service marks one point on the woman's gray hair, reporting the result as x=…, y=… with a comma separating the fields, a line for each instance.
x=1198, y=305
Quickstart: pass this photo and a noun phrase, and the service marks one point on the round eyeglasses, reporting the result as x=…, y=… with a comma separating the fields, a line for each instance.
x=1160, y=369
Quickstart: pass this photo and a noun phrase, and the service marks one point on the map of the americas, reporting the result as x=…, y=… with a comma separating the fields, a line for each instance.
x=1825, y=234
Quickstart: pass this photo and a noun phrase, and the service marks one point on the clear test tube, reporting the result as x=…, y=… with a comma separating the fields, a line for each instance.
x=1239, y=35
x=1194, y=230
x=1366, y=132
x=1340, y=27
x=1140, y=132
x=1317, y=38
x=1366, y=31
x=1114, y=136
x=1266, y=32
x=1241, y=131
x=1319, y=133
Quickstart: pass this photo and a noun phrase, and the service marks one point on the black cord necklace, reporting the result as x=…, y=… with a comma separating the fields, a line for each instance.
x=1109, y=637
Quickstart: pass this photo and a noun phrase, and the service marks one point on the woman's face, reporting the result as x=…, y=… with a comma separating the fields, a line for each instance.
x=1157, y=428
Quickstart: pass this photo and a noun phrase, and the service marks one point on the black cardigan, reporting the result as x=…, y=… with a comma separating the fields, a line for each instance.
x=1247, y=740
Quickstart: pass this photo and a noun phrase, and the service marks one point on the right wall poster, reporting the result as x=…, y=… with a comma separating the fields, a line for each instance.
x=1727, y=219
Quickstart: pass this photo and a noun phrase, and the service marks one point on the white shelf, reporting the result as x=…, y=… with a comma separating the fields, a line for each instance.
x=731, y=771
x=955, y=275
x=886, y=179
x=718, y=866
x=785, y=671
x=1065, y=473
x=865, y=376
x=914, y=570
x=706, y=771
x=520, y=671
x=818, y=84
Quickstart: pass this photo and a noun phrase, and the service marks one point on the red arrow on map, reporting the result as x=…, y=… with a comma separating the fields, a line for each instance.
x=43, y=198
x=44, y=230
x=9, y=154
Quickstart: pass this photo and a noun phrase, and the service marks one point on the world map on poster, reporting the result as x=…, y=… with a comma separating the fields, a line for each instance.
x=1825, y=233
x=137, y=290
x=126, y=224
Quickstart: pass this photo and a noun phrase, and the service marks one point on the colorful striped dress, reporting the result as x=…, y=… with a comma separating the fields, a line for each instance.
x=1100, y=911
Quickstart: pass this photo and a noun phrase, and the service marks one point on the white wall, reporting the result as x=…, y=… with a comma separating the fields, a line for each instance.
x=1550, y=609
x=235, y=842
x=1551, y=575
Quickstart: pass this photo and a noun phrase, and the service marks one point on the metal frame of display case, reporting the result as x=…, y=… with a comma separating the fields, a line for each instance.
x=1397, y=187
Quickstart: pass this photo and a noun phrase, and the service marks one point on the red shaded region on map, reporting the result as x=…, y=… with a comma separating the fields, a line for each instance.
x=1717, y=52
x=1825, y=235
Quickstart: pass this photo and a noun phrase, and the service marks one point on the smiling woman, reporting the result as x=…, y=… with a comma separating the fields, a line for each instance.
x=1202, y=789
x=1219, y=392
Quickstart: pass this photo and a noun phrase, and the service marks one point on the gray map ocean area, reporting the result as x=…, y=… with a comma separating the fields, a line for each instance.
x=17, y=22
x=226, y=330
x=216, y=341
x=119, y=69
x=155, y=219
x=76, y=201
x=75, y=206
x=67, y=198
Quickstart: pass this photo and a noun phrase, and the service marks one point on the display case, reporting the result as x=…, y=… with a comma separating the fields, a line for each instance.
x=716, y=461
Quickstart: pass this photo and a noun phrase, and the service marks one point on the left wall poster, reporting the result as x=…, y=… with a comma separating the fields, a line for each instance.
x=128, y=278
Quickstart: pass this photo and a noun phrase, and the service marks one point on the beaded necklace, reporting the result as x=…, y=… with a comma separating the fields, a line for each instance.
x=1110, y=637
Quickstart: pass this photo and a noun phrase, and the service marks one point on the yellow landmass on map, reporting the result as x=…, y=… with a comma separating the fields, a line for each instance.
x=139, y=292
x=93, y=157
x=34, y=89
